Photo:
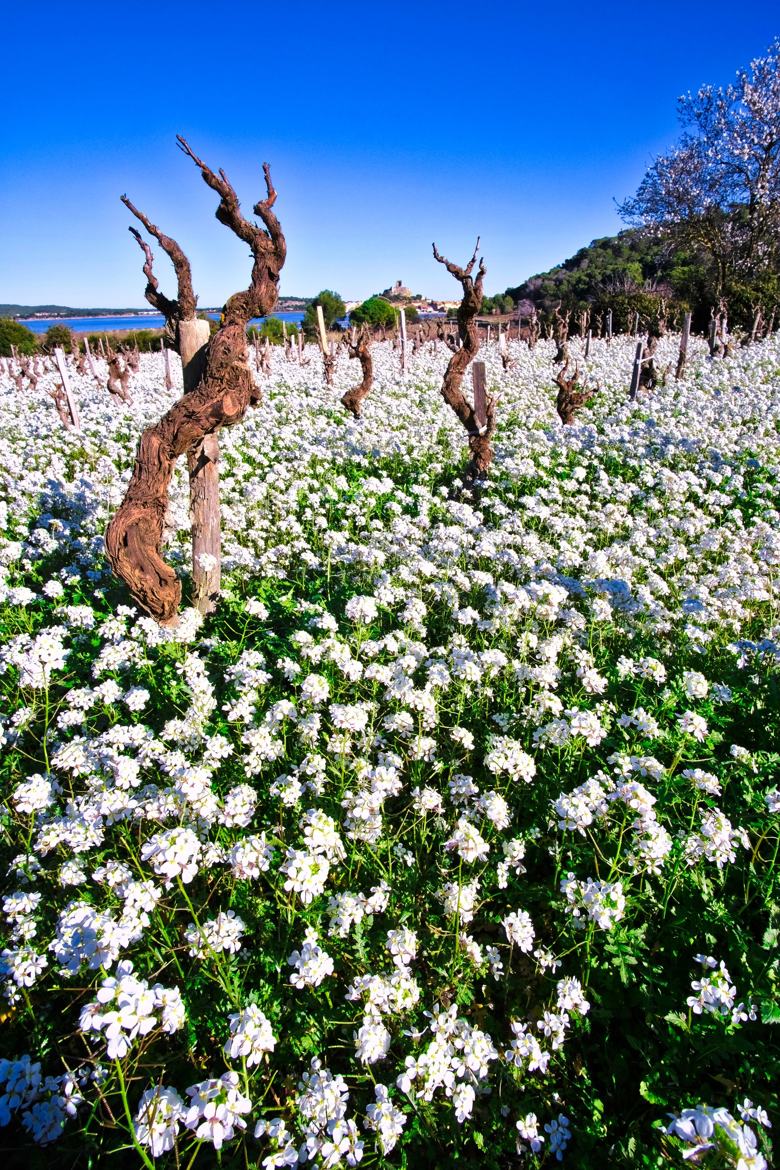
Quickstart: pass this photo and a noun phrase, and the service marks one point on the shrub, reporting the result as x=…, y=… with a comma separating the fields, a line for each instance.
x=332, y=308
x=272, y=329
x=376, y=311
x=12, y=333
x=58, y=336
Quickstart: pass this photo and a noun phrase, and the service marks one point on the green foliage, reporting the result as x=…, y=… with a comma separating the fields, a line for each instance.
x=376, y=311
x=272, y=329
x=19, y=336
x=500, y=303
x=146, y=340
x=333, y=307
x=630, y=272
x=58, y=335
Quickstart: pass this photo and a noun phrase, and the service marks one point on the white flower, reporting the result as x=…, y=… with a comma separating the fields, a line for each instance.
x=361, y=609
x=312, y=964
x=173, y=853
x=696, y=685
x=250, y=1035
x=160, y=1111
x=519, y=930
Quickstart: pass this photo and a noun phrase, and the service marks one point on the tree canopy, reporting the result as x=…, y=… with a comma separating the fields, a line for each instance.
x=717, y=192
x=12, y=333
x=376, y=311
x=58, y=335
x=333, y=307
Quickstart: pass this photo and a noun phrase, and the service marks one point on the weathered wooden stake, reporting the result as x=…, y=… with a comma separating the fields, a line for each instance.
x=168, y=370
x=480, y=393
x=203, y=466
x=587, y=342
x=712, y=340
x=323, y=334
x=59, y=357
x=90, y=358
x=402, y=314
x=609, y=324
x=636, y=372
x=686, y=333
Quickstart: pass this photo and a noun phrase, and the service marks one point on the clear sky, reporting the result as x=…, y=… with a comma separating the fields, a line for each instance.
x=387, y=126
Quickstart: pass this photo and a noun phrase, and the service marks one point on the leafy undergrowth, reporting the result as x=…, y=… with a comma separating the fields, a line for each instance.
x=451, y=838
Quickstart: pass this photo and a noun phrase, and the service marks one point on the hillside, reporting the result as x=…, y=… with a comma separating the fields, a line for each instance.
x=612, y=272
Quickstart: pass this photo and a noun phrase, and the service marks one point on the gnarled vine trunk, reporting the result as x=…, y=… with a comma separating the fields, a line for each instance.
x=224, y=391
x=571, y=396
x=360, y=348
x=480, y=447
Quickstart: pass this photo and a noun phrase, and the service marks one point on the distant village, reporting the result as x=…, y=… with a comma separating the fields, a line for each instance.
x=400, y=295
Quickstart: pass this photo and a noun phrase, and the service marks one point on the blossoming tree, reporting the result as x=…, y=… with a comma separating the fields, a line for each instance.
x=718, y=190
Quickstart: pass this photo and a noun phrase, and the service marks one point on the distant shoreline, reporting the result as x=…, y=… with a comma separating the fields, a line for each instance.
x=283, y=306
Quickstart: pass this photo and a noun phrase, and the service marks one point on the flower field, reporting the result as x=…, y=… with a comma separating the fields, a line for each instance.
x=451, y=838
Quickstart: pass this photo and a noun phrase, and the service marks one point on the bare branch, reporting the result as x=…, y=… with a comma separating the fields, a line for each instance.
x=168, y=308
x=187, y=301
x=269, y=248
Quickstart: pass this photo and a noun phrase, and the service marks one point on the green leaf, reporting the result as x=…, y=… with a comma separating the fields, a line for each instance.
x=650, y=1095
x=770, y=1012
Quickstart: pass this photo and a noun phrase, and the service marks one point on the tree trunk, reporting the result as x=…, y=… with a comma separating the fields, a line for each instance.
x=220, y=398
x=480, y=446
x=361, y=349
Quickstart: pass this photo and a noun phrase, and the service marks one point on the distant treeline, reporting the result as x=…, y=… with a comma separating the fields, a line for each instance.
x=67, y=311
x=16, y=336
x=635, y=272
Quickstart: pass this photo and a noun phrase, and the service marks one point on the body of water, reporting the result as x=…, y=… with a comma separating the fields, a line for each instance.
x=113, y=324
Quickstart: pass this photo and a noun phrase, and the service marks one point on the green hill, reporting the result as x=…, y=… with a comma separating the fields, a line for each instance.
x=626, y=273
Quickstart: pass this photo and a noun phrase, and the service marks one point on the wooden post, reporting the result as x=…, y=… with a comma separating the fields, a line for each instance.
x=300, y=345
x=635, y=329
x=713, y=337
x=284, y=332
x=167, y=362
x=59, y=357
x=203, y=466
x=90, y=358
x=686, y=333
x=480, y=393
x=587, y=343
x=636, y=372
x=502, y=343
x=402, y=314
x=609, y=324
x=323, y=334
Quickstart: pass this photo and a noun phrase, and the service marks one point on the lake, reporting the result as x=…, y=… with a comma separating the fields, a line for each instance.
x=112, y=324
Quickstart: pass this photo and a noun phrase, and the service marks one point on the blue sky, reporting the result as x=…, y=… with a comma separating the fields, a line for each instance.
x=387, y=126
